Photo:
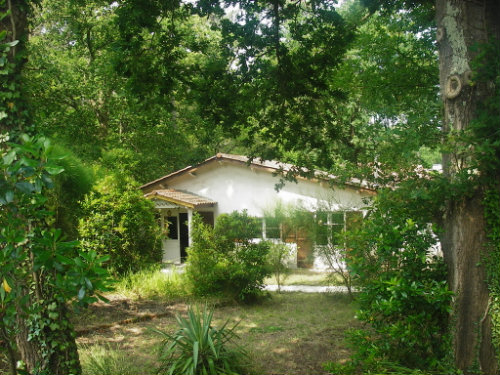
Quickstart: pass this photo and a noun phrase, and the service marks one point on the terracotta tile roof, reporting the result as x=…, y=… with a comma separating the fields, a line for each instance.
x=181, y=198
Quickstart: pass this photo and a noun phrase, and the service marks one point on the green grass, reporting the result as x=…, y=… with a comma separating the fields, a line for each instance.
x=303, y=276
x=292, y=333
x=105, y=360
x=152, y=283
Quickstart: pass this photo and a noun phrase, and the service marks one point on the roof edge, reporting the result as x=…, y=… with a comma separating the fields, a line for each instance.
x=264, y=164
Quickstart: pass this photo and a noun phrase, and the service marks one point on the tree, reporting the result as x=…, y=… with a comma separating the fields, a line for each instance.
x=467, y=36
x=465, y=30
x=40, y=272
x=78, y=89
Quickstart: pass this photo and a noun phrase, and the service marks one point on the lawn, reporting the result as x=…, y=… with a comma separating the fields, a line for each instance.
x=288, y=333
x=302, y=276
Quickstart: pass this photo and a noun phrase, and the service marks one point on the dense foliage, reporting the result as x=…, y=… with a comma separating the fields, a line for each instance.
x=40, y=272
x=119, y=222
x=404, y=298
x=224, y=261
x=78, y=89
x=485, y=133
x=69, y=190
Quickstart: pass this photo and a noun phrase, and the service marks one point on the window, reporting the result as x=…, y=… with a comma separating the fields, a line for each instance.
x=331, y=224
x=272, y=228
x=322, y=229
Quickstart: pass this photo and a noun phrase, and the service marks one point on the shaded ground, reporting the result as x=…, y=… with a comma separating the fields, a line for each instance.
x=289, y=333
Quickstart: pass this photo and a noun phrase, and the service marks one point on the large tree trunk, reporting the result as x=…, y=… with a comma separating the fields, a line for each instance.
x=51, y=349
x=461, y=25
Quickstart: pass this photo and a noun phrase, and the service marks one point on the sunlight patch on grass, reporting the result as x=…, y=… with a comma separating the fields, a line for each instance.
x=308, y=277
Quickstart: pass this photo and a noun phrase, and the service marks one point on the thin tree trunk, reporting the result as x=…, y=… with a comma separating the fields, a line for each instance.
x=461, y=25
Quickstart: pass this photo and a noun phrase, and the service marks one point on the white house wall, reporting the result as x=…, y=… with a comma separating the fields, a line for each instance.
x=240, y=187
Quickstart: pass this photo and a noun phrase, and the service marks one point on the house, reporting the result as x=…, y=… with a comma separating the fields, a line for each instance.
x=225, y=183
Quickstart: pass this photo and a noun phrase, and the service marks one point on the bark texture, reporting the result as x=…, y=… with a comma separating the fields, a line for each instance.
x=461, y=26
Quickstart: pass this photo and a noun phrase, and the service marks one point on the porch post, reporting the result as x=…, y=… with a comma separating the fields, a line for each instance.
x=190, y=221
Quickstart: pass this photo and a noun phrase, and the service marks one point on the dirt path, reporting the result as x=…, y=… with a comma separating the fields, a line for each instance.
x=307, y=288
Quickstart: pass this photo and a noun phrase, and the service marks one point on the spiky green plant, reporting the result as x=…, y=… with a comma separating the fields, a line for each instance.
x=199, y=348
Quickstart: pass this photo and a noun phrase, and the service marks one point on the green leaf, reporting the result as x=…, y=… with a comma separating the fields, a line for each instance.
x=54, y=169
x=78, y=261
x=9, y=157
x=25, y=187
x=196, y=346
x=9, y=196
x=47, y=181
x=81, y=293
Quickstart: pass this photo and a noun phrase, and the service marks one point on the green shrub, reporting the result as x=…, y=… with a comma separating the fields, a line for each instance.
x=199, y=348
x=404, y=297
x=226, y=262
x=118, y=221
x=152, y=282
x=238, y=227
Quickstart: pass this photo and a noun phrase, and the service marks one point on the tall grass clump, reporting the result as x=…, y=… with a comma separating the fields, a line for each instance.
x=199, y=348
x=152, y=282
x=104, y=360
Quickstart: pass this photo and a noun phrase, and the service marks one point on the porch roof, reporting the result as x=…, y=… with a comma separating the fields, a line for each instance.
x=181, y=198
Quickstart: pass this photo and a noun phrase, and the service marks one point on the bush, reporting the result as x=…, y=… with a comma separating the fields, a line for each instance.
x=225, y=262
x=404, y=297
x=118, y=221
x=199, y=348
